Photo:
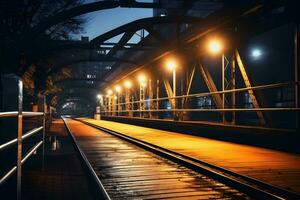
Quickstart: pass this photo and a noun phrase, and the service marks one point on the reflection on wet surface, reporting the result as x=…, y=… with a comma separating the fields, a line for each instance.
x=129, y=172
x=55, y=143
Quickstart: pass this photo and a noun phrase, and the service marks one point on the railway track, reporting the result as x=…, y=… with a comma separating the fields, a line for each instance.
x=127, y=168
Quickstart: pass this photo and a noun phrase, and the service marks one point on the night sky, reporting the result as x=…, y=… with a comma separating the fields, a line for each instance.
x=102, y=21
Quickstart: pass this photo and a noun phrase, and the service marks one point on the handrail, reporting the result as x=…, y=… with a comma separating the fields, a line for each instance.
x=14, y=169
x=15, y=114
x=26, y=135
x=259, y=87
x=20, y=114
x=32, y=114
x=209, y=110
x=9, y=114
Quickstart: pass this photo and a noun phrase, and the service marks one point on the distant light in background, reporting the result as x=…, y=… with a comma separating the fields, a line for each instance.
x=142, y=78
x=256, y=53
x=109, y=92
x=99, y=96
x=171, y=64
x=215, y=46
x=118, y=89
x=127, y=84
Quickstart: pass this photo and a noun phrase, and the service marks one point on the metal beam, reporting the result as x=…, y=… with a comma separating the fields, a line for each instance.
x=125, y=38
x=211, y=85
x=248, y=85
x=143, y=24
x=89, y=59
x=83, y=9
x=169, y=91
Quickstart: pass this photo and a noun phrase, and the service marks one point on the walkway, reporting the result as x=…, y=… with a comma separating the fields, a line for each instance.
x=275, y=167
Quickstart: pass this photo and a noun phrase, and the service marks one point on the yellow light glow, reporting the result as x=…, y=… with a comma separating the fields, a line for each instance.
x=128, y=84
x=215, y=46
x=142, y=78
x=109, y=92
x=118, y=88
x=171, y=64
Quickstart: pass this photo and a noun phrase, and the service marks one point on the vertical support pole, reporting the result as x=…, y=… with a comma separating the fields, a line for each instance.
x=19, y=139
x=113, y=105
x=174, y=93
x=157, y=96
x=128, y=104
x=44, y=130
x=296, y=72
x=142, y=98
x=233, y=87
x=119, y=101
x=150, y=97
x=223, y=87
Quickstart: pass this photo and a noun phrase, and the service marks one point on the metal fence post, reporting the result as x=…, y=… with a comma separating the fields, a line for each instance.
x=19, y=139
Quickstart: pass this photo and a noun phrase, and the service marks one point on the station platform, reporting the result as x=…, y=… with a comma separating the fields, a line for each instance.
x=277, y=168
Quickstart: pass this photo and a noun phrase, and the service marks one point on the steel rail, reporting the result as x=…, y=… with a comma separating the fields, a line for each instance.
x=259, y=87
x=245, y=184
x=88, y=164
x=14, y=169
x=26, y=135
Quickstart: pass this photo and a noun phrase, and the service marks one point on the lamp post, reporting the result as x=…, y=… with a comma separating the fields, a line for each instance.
x=109, y=104
x=128, y=86
x=171, y=65
x=142, y=81
x=215, y=47
x=118, y=90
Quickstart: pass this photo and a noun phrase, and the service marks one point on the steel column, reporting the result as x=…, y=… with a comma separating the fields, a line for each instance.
x=150, y=97
x=142, y=99
x=233, y=86
x=296, y=72
x=223, y=87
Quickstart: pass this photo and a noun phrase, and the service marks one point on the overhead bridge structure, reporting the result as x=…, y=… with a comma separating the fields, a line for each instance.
x=199, y=101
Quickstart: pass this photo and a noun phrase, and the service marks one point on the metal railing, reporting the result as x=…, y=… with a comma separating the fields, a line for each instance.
x=20, y=114
x=119, y=108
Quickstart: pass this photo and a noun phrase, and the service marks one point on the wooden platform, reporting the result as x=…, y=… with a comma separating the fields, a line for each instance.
x=274, y=167
x=130, y=172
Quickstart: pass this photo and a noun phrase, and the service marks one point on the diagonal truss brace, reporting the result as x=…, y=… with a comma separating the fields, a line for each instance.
x=211, y=85
x=248, y=85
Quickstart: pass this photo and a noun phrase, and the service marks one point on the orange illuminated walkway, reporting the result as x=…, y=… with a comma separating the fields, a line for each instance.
x=274, y=167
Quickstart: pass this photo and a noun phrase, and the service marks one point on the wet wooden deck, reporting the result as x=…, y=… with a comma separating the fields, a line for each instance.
x=130, y=172
x=274, y=167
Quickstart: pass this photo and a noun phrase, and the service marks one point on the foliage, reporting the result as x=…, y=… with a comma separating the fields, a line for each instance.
x=25, y=57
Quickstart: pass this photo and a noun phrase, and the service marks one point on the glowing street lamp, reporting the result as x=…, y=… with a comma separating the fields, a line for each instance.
x=99, y=96
x=142, y=79
x=256, y=53
x=215, y=46
x=118, y=89
x=109, y=92
x=127, y=84
x=172, y=65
